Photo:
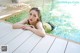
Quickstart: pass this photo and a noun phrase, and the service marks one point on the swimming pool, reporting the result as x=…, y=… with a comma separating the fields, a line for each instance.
x=63, y=28
x=61, y=16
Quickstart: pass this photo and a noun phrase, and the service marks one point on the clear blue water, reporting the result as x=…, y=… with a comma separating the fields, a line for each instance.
x=65, y=17
x=65, y=29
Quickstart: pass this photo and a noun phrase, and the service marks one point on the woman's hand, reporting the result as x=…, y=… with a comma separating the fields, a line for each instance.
x=23, y=27
x=27, y=27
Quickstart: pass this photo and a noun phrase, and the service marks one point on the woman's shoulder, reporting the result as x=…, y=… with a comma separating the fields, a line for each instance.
x=39, y=23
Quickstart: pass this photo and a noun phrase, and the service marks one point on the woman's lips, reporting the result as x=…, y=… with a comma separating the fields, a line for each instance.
x=30, y=19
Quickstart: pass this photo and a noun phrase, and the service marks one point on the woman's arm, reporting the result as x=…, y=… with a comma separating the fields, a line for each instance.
x=19, y=24
x=39, y=31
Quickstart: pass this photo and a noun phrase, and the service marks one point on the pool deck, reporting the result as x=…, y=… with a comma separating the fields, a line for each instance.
x=11, y=9
x=20, y=41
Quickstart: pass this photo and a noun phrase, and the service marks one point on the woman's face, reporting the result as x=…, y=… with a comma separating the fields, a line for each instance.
x=33, y=17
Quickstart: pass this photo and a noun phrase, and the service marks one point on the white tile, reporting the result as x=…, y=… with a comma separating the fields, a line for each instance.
x=10, y=36
x=18, y=41
x=43, y=45
x=28, y=45
x=73, y=48
x=4, y=28
x=58, y=46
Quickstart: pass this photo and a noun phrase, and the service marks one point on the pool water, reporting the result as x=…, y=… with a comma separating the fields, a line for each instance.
x=65, y=18
x=65, y=29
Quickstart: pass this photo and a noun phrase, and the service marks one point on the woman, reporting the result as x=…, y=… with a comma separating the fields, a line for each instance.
x=34, y=21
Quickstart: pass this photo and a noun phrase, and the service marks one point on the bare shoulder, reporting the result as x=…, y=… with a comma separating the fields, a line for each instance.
x=39, y=25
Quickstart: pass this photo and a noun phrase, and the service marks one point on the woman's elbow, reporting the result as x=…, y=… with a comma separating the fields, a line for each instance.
x=42, y=34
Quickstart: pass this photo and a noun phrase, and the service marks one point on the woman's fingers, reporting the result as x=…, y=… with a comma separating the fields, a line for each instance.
x=32, y=26
x=27, y=27
x=23, y=27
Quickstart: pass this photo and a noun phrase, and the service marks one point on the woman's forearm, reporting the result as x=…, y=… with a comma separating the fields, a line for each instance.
x=34, y=30
x=17, y=26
